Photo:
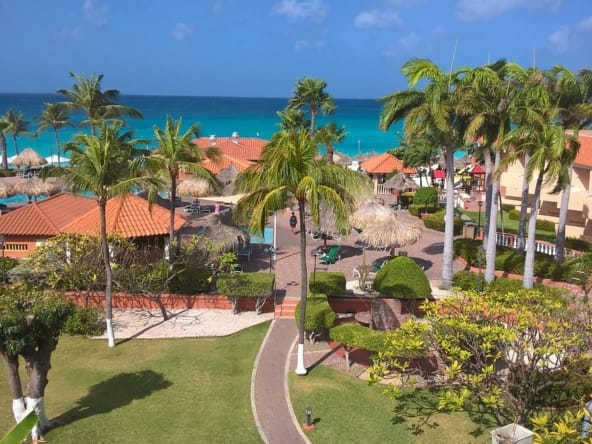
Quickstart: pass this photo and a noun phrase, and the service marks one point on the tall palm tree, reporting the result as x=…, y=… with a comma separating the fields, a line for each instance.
x=433, y=112
x=573, y=98
x=311, y=93
x=106, y=165
x=55, y=117
x=545, y=144
x=86, y=96
x=289, y=171
x=3, y=147
x=16, y=126
x=175, y=151
x=329, y=135
x=420, y=153
x=292, y=119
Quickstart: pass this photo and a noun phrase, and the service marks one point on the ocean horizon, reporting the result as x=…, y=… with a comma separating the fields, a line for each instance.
x=220, y=116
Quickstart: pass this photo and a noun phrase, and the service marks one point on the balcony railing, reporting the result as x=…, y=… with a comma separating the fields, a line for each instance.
x=511, y=240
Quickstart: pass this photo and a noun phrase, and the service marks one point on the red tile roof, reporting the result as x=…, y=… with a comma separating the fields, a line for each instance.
x=239, y=148
x=384, y=164
x=584, y=157
x=224, y=162
x=47, y=217
x=129, y=216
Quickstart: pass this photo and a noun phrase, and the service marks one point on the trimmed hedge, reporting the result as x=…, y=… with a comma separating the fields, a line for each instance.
x=352, y=336
x=426, y=196
x=436, y=222
x=414, y=210
x=509, y=207
x=406, y=198
x=545, y=225
x=514, y=214
x=320, y=317
x=330, y=283
x=402, y=278
x=191, y=281
x=246, y=285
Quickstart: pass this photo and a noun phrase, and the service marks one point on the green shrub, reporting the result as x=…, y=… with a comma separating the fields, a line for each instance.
x=468, y=249
x=84, y=321
x=468, y=281
x=246, y=285
x=415, y=210
x=545, y=225
x=331, y=283
x=357, y=336
x=504, y=285
x=577, y=244
x=514, y=214
x=319, y=316
x=508, y=207
x=402, y=278
x=426, y=196
x=436, y=222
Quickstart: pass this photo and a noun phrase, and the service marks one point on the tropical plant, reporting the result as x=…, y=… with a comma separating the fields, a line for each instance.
x=98, y=106
x=55, y=117
x=329, y=135
x=311, y=93
x=16, y=125
x=573, y=97
x=106, y=165
x=433, y=113
x=289, y=171
x=420, y=153
x=175, y=151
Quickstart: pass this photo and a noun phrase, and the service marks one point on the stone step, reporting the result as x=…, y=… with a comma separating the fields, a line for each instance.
x=286, y=309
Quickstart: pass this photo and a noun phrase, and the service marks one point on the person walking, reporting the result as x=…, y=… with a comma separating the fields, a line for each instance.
x=587, y=418
x=293, y=222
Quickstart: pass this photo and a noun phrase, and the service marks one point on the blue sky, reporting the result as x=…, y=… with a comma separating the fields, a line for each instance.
x=253, y=48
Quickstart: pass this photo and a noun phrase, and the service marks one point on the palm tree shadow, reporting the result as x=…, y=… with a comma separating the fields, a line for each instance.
x=114, y=393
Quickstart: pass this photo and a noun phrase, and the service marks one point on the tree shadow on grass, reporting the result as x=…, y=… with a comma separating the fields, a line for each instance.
x=416, y=409
x=114, y=393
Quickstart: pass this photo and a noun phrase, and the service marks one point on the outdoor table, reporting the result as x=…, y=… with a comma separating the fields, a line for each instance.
x=363, y=317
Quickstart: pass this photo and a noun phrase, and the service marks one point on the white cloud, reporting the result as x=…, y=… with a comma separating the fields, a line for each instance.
x=301, y=9
x=473, y=10
x=95, y=12
x=586, y=24
x=377, y=19
x=560, y=39
x=408, y=43
x=181, y=31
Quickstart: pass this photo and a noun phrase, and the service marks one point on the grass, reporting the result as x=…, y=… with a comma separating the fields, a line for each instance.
x=511, y=226
x=346, y=409
x=150, y=391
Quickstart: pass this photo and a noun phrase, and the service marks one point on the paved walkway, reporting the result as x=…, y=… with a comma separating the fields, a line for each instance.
x=269, y=392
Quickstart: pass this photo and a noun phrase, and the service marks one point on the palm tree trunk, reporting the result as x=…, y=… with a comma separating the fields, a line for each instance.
x=313, y=119
x=57, y=142
x=173, y=192
x=528, y=281
x=300, y=368
x=521, y=236
x=3, y=150
x=448, y=254
x=563, y=210
x=108, y=275
x=15, y=144
x=491, y=244
x=489, y=167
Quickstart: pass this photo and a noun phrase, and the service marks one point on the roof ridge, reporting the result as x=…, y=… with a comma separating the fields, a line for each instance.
x=44, y=216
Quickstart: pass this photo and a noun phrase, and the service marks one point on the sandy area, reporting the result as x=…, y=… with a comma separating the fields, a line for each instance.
x=149, y=324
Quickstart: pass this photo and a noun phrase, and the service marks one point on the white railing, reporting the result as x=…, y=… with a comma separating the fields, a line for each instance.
x=511, y=241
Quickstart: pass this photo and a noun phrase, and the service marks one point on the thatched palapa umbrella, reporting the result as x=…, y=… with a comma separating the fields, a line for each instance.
x=29, y=158
x=224, y=237
x=194, y=187
x=400, y=181
x=393, y=235
x=6, y=189
x=34, y=187
x=371, y=213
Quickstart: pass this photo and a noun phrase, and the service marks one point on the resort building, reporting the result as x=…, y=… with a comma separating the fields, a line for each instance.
x=579, y=218
x=30, y=225
x=380, y=167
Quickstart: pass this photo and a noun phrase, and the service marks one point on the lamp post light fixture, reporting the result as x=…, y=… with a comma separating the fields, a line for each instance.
x=271, y=251
x=480, y=252
x=479, y=204
x=309, y=424
x=314, y=270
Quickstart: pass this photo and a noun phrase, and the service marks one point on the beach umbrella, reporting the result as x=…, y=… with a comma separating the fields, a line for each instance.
x=227, y=175
x=6, y=189
x=29, y=158
x=371, y=213
x=33, y=187
x=393, y=235
x=194, y=187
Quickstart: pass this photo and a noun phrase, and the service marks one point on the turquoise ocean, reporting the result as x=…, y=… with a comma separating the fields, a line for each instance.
x=250, y=117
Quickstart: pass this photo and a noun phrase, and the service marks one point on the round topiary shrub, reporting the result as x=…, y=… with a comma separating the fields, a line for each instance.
x=402, y=278
x=319, y=317
x=426, y=196
x=436, y=222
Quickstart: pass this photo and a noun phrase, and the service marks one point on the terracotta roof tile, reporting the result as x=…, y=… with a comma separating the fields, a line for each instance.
x=225, y=161
x=129, y=216
x=584, y=157
x=47, y=217
x=384, y=164
x=240, y=148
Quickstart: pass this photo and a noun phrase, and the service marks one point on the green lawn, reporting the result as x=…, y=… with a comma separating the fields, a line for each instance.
x=511, y=226
x=347, y=409
x=150, y=391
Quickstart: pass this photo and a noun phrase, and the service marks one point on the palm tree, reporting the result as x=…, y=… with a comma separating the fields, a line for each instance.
x=311, y=93
x=545, y=144
x=292, y=119
x=420, y=153
x=106, y=165
x=175, y=151
x=431, y=112
x=289, y=171
x=3, y=147
x=573, y=97
x=86, y=96
x=329, y=135
x=54, y=116
x=16, y=126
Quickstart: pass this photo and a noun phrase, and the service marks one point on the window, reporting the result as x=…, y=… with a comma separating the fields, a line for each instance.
x=16, y=247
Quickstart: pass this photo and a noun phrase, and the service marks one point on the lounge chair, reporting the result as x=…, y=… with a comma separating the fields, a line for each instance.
x=331, y=256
